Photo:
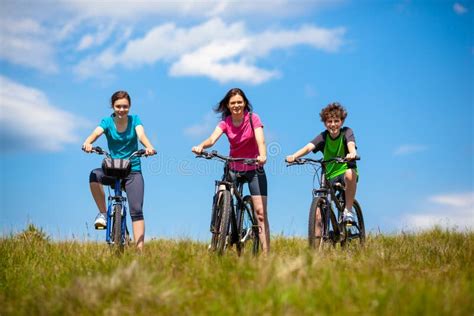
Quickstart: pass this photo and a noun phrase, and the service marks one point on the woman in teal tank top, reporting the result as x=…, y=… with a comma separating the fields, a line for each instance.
x=123, y=132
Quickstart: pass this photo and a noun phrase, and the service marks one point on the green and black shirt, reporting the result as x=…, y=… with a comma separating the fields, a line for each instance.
x=335, y=148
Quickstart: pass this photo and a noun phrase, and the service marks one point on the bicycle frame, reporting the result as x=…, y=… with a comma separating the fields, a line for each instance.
x=237, y=207
x=238, y=204
x=326, y=190
x=328, y=193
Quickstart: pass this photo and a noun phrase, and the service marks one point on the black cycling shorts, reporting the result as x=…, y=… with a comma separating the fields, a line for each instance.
x=257, y=180
x=134, y=186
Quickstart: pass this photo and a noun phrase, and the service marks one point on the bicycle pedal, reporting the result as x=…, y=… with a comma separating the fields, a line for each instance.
x=100, y=228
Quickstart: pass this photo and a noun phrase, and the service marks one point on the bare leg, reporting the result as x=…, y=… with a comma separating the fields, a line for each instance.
x=99, y=196
x=139, y=233
x=350, y=177
x=260, y=206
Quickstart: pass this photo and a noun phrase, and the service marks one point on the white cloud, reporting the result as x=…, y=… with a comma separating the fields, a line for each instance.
x=91, y=40
x=28, y=121
x=409, y=149
x=463, y=200
x=447, y=210
x=205, y=50
x=202, y=8
x=25, y=42
x=71, y=26
x=202, y=129
x=216, y=61
x=459, y=8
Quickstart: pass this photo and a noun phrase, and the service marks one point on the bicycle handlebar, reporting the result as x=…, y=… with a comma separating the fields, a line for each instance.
x=214, y=154
x=98, y=150
x=302, y=161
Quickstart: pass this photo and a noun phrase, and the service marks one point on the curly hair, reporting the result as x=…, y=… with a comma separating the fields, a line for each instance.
x=334, y=109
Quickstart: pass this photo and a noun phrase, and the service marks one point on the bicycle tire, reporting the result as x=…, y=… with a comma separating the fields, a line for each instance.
x=246, y=223
x=215, y=222
x=335, y=233
x=317, y=227
x=224, y=211
x=117, y=228
x=360, y=226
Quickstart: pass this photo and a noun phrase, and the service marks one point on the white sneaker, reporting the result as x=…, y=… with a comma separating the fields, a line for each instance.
x=100, y=221
x=348, y=216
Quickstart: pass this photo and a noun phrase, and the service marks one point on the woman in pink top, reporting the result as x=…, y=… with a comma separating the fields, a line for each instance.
x=246, y=141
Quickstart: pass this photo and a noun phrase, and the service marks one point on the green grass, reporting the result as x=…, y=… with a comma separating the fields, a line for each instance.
x=429, y=273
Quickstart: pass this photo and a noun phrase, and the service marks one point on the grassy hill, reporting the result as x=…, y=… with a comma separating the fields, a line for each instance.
x=429, y=273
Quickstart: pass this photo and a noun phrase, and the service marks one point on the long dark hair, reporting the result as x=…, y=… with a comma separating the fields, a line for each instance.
x=222, y=106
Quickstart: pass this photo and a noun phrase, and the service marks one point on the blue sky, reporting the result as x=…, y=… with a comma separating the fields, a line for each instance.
x=403, y=69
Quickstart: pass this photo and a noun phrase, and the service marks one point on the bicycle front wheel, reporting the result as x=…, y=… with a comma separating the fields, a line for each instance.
x=357, y=230
x=249, y=229
x=316, y=224
x=224, y=211
x=117, y=228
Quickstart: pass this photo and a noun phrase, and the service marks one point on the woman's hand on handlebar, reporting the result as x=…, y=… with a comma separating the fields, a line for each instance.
x=261, y=160
x=150, y=151
x=197, y=149
x=87, y=147
x=290, y=158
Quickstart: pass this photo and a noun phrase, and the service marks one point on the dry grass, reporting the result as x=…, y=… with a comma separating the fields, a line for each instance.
x=408, y=274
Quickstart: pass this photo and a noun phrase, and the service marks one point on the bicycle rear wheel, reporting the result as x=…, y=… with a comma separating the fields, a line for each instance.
x=249, y=229
x=224, y=212
x=117, y=228
x=316, y=225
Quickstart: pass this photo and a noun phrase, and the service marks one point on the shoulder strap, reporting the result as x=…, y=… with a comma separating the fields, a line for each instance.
x=251, y=123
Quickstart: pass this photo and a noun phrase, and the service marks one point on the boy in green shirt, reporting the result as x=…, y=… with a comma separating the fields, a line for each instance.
x=336, y=141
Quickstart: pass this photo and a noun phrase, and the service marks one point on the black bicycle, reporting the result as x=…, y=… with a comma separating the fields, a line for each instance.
x=324, y=225
x=233, y=219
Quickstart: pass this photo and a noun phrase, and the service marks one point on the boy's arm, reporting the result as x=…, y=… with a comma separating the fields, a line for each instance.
x=87, y=145
x=351, y=147
x=300, y=153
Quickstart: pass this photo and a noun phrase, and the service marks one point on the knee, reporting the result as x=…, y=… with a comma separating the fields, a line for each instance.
x=136, y=215
x=136, y=210
x=93, y=177
x=350, y=175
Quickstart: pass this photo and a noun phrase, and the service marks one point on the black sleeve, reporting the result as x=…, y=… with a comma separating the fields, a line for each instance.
x=318, y=142
x=349, y=135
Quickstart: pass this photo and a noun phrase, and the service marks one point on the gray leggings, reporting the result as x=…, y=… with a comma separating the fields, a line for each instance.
x=134, y=186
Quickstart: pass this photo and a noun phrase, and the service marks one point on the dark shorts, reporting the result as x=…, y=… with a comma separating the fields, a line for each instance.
x=257, y=180
x=134, y=186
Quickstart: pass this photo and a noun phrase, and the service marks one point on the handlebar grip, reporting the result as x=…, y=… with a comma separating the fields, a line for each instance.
x=98, y=150
x=204, y=154
x=250, y=161
x=141, y=152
